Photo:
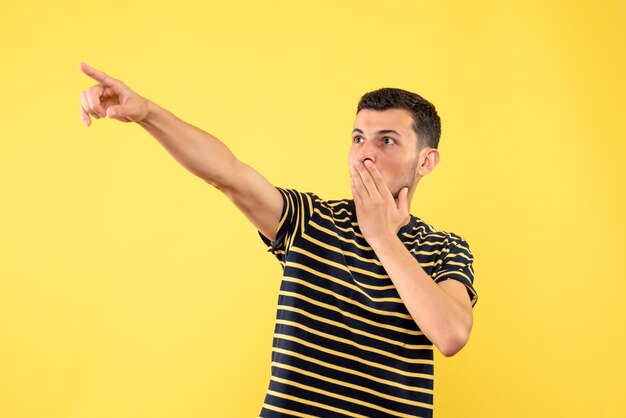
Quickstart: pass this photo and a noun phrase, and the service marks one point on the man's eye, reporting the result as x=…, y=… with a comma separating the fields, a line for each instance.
x=389, y=141
x=357, y=139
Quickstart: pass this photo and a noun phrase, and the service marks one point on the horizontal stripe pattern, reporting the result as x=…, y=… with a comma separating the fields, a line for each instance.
x=344, y=343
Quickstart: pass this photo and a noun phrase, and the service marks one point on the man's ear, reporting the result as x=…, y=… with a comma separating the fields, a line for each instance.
x=429, y=158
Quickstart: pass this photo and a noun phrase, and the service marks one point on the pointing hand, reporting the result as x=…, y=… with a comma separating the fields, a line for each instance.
x=110, y=98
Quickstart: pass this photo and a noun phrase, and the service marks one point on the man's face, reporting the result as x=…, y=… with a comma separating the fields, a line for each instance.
x=388, y=139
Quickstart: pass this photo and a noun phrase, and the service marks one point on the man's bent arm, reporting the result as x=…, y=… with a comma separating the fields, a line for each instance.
x=208, y=158
x=442, y=311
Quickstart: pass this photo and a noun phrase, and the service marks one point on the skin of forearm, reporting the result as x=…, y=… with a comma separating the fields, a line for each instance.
x=442, y=319
x=198, y=151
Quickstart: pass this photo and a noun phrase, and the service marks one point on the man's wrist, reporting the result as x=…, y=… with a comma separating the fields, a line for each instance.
x=383, y=241
x=153, y=113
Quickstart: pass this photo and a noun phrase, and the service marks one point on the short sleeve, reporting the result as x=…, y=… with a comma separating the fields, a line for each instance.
x=297, y=210
x=457, y=264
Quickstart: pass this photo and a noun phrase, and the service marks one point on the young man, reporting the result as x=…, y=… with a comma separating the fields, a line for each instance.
x=366, y=289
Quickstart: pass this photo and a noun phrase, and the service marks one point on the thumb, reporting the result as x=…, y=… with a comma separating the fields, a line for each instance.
x=124, y=112
x=117, y=112
x=403, y=200
x=128, y=112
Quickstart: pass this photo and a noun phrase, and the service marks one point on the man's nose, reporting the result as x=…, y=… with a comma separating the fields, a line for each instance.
x=367, y=151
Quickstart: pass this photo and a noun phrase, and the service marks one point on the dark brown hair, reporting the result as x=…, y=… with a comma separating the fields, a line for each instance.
x=426, y=122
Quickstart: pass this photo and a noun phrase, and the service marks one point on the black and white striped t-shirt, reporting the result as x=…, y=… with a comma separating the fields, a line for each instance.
x=344, y=343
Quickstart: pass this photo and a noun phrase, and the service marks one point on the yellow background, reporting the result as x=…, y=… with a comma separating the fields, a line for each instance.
x=130, y=288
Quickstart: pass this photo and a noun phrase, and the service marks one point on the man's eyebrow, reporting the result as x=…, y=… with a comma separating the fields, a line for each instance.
x=381, y=132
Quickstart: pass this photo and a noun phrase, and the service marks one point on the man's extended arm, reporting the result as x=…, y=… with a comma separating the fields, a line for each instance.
x=442, y=311
x=196, y=150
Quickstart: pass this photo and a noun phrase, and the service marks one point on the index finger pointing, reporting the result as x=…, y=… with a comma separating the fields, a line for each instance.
x=97, y=75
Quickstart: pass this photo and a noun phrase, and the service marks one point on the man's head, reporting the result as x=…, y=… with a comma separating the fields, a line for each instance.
x=399, y=131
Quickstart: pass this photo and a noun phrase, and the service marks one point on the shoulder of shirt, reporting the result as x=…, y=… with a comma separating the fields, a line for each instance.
x=334, y=204
x=428, y=232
